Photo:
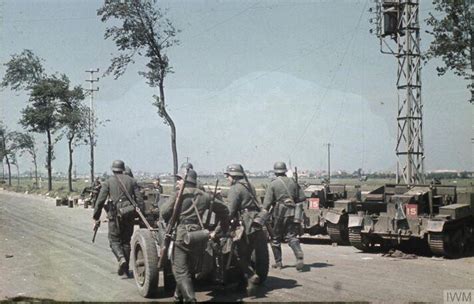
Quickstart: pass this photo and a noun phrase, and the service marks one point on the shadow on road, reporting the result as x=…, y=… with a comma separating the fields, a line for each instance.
x=317, y=241
x=308, y=267
x=230, y=293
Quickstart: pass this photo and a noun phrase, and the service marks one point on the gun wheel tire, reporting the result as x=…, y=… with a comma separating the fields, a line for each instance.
x=260, y=257
x=144, y=260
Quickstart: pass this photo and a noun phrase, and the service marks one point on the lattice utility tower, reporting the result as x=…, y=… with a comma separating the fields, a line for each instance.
x=398, y=29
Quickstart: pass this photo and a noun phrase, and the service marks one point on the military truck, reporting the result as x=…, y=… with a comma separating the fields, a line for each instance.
x=433, y=215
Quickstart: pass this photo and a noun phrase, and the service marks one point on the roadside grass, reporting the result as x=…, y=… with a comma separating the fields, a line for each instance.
x=60, y=186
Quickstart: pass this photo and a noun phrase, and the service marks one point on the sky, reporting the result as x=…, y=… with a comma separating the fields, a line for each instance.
x=254, y=82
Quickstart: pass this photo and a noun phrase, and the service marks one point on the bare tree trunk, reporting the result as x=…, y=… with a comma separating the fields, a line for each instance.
x=36, y=170
x=49, y=157
x=69, y=172
x=17, y=173
x=471, y=36
x=9, y=170
x=172, y=127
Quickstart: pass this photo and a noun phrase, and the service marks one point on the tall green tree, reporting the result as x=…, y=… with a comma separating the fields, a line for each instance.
x=42, y=116
x=140, y=28
x=6, y=149
x=25, y=143
x=25, y=72
x=74, y=118
x=453, y=38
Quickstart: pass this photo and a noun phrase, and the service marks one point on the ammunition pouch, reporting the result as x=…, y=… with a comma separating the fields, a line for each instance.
x=125, y=210
x=299, y=213
x=109, y=207
x=197, y=237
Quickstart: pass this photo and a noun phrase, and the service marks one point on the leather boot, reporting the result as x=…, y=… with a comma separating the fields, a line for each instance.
x=177, y=296
x=187, y=291
x=295, y=246
x=123, y=267
x=126, y=251
x=277, y=255
x=252, y=283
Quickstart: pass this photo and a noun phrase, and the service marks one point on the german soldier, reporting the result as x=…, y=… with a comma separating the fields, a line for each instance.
x=244, y=208
x=95, y=192
x=188, y=165
x=128, y=171
x=120, y=212
x=286, y=197
x=187, y=254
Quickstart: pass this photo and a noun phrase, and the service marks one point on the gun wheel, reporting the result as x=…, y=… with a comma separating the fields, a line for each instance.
x=144, y=260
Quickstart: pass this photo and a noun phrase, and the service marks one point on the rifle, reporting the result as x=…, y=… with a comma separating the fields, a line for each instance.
x=174, y=219
x=299, y=216
x=269, y=228
x=96, y=227
x=209, y=213
x=134, y=204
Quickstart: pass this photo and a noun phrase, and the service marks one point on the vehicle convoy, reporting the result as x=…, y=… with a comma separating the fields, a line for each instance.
x=329, y=206
x=218, y=263
x=419, y=215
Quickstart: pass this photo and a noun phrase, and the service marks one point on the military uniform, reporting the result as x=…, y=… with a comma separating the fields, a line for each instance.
x=286, y=197
x=120, y=228
x=95, y=192
x=187, y=258
x=243, y=208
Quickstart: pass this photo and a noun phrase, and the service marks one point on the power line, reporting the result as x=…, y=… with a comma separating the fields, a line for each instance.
x=338, y=66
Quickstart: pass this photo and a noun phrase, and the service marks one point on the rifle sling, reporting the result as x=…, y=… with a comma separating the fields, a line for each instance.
x=132, y=201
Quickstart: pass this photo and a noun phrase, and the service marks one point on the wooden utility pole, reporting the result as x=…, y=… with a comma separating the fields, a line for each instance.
x=91, y=130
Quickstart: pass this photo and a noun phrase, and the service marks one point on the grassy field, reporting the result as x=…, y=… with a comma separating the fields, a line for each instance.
x=60, y=186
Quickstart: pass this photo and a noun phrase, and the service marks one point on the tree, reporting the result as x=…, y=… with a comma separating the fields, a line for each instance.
x=26, y=72
x=144, y=31
x=26, y=143
x=42, y=114
x=6, y=149
x=453, y=34
x=74, y=117
x=23, y=71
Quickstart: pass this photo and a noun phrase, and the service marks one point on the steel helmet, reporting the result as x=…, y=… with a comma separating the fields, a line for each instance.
x=128, y=171
x=279, y=167
x=191, y=178
x=118, y=166
x=187, y=165
x=234, y=170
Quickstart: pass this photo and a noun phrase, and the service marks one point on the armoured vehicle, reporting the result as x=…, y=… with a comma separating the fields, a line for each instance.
x=420, y=215
x=329, y=207
x=321, y=198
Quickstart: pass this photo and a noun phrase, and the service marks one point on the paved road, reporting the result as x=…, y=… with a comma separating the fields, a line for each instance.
x=46, y=252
